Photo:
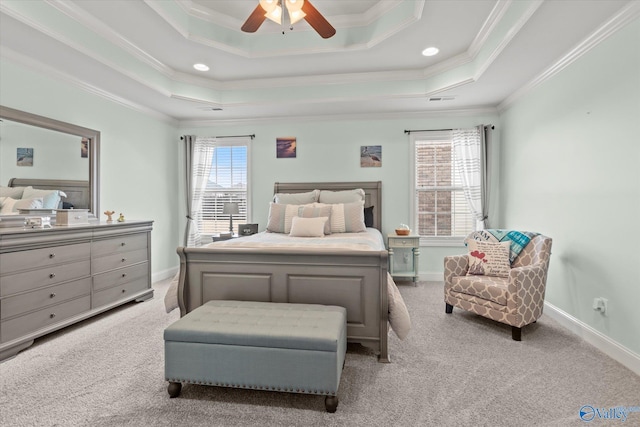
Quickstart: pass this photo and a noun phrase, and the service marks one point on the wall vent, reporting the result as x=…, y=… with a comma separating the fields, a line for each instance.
x=441, y=98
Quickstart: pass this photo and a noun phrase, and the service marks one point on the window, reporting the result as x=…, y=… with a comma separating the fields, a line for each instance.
x=228, y=182
x=440, y=212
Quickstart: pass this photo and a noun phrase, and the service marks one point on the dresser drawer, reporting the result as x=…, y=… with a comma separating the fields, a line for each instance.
x=20, y=282
x=120, y=276
x=118, y=245
x=23, y=325
x=35, y=300
x=403, y=242
x=119, y=292
x=12, y=262
x=124, y=259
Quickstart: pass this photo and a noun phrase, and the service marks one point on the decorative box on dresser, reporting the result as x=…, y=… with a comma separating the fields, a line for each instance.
x=54, y=277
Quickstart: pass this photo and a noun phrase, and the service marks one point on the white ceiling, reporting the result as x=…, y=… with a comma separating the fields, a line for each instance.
x=141, y=52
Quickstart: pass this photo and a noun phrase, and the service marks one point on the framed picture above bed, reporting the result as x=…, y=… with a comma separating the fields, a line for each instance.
x=286, y=147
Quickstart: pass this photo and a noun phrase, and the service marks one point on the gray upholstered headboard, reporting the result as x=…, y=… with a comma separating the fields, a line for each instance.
x=372, y=191
x=77, y=191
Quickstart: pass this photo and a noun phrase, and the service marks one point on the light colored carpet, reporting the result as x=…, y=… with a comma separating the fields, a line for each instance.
x=452, y=370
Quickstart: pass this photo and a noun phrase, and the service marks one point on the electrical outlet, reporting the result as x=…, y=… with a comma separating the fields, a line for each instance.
x=600, y=304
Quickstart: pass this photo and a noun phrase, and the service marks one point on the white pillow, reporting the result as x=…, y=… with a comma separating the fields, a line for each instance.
x=308, y=227
x=11, y=205
x=50, y=198
x=13, y=192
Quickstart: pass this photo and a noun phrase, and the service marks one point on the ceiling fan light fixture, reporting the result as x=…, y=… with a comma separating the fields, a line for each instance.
x=275, y=15
x=296, y=16
x=268, y=5
x=294, y=5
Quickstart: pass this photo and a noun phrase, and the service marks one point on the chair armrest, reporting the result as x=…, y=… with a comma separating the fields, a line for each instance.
x=455, y=265
x=528, y=284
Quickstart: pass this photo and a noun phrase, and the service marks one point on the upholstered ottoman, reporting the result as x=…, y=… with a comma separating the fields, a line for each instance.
x=297, y=348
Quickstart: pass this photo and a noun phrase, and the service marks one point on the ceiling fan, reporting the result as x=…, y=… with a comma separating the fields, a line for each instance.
x=297, y=9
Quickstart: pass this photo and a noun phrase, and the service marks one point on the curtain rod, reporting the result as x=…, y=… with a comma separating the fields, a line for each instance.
x=436, y=130
x=228, y=136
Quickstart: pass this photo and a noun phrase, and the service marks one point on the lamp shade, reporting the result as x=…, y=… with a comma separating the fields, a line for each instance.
x=230, y=208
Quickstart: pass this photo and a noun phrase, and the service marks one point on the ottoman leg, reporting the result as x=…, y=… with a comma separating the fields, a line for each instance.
x=331, y=403
x=174, y=389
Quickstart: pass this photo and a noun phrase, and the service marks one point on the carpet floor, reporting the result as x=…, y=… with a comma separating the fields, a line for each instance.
x=452, y=370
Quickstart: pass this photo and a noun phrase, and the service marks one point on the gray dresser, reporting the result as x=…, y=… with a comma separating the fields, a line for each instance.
x=52, y=278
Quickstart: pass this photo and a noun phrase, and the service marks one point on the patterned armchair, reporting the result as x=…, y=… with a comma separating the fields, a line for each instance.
x=516, y=300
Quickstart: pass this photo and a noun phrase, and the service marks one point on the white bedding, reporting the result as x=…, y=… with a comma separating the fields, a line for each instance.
x=371, y=240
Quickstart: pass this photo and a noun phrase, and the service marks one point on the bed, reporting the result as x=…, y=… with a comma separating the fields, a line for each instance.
x=352, y=277
x=77, y=192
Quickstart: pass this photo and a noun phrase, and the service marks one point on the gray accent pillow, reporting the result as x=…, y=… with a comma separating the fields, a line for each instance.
x=344, y=196
x=13, y=192
x=296, y=198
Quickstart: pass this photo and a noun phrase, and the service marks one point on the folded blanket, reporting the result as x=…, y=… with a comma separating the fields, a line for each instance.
x=399, y=318
x=517, y=239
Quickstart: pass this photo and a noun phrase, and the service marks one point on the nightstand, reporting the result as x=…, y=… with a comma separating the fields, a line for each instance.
x=220, y=237
x=403, y=256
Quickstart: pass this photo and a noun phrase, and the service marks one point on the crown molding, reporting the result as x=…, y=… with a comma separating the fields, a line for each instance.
x=619, y=20
x=39, y=67
x=497, y=13
x=463, y=112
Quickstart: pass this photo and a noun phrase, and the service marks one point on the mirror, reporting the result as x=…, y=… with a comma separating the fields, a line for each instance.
x=58, y=153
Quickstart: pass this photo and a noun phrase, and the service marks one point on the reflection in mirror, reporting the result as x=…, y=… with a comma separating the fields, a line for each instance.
x=45, y=153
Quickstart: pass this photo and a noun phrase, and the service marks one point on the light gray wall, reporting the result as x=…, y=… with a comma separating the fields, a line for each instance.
x=571, y=170
x=330, y=151
x=138, y=172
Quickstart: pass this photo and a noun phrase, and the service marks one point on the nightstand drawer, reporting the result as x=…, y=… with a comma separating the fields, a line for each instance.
x=28, y=260
x=23, y=325
x=118, y=245
x=35, y=300
x=118, y=260
x=403, y=242
x=119, y=292
x=14, y=283
x=120, y=276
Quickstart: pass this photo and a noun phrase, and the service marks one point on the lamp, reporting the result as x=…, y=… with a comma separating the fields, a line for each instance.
x=273, y=10
x=230, y=208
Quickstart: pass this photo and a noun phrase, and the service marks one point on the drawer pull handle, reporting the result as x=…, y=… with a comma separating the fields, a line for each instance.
x=52, y=315
x=52, y=275
x=124, y=290
x=52, y=295
x=124, y=259
x=124, y=274
x=52, y=255
x=122, y=244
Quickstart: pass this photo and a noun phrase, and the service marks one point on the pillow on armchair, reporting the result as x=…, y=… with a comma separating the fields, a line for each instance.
x=488, y=258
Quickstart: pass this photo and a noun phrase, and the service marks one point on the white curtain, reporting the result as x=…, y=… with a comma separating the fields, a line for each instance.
x=198, y=156
x=470, y=150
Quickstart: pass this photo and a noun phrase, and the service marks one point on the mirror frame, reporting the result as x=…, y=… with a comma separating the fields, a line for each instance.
x=71, y=129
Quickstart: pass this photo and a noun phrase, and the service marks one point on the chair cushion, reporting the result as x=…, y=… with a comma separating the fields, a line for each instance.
x=488, y=258
x=486, y=287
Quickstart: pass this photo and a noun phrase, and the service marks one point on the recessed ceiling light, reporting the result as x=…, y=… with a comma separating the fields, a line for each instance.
x=200, y=67
x=430, y=51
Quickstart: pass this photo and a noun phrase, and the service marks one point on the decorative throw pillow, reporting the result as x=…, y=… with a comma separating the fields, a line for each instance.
x=280, y=217
x=50, y=198
x=11, y=205
x=308, y=227
x=488, y=259
x=345, y=196
x=368, y=216
x=296, y=198
x=315, y=211
x=346, y=217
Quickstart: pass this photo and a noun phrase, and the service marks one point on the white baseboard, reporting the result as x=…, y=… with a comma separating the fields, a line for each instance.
x=165, y=274
x=596, y=338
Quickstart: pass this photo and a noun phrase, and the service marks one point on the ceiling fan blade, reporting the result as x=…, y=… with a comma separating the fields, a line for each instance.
x=254, y=20
x=317, y=21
